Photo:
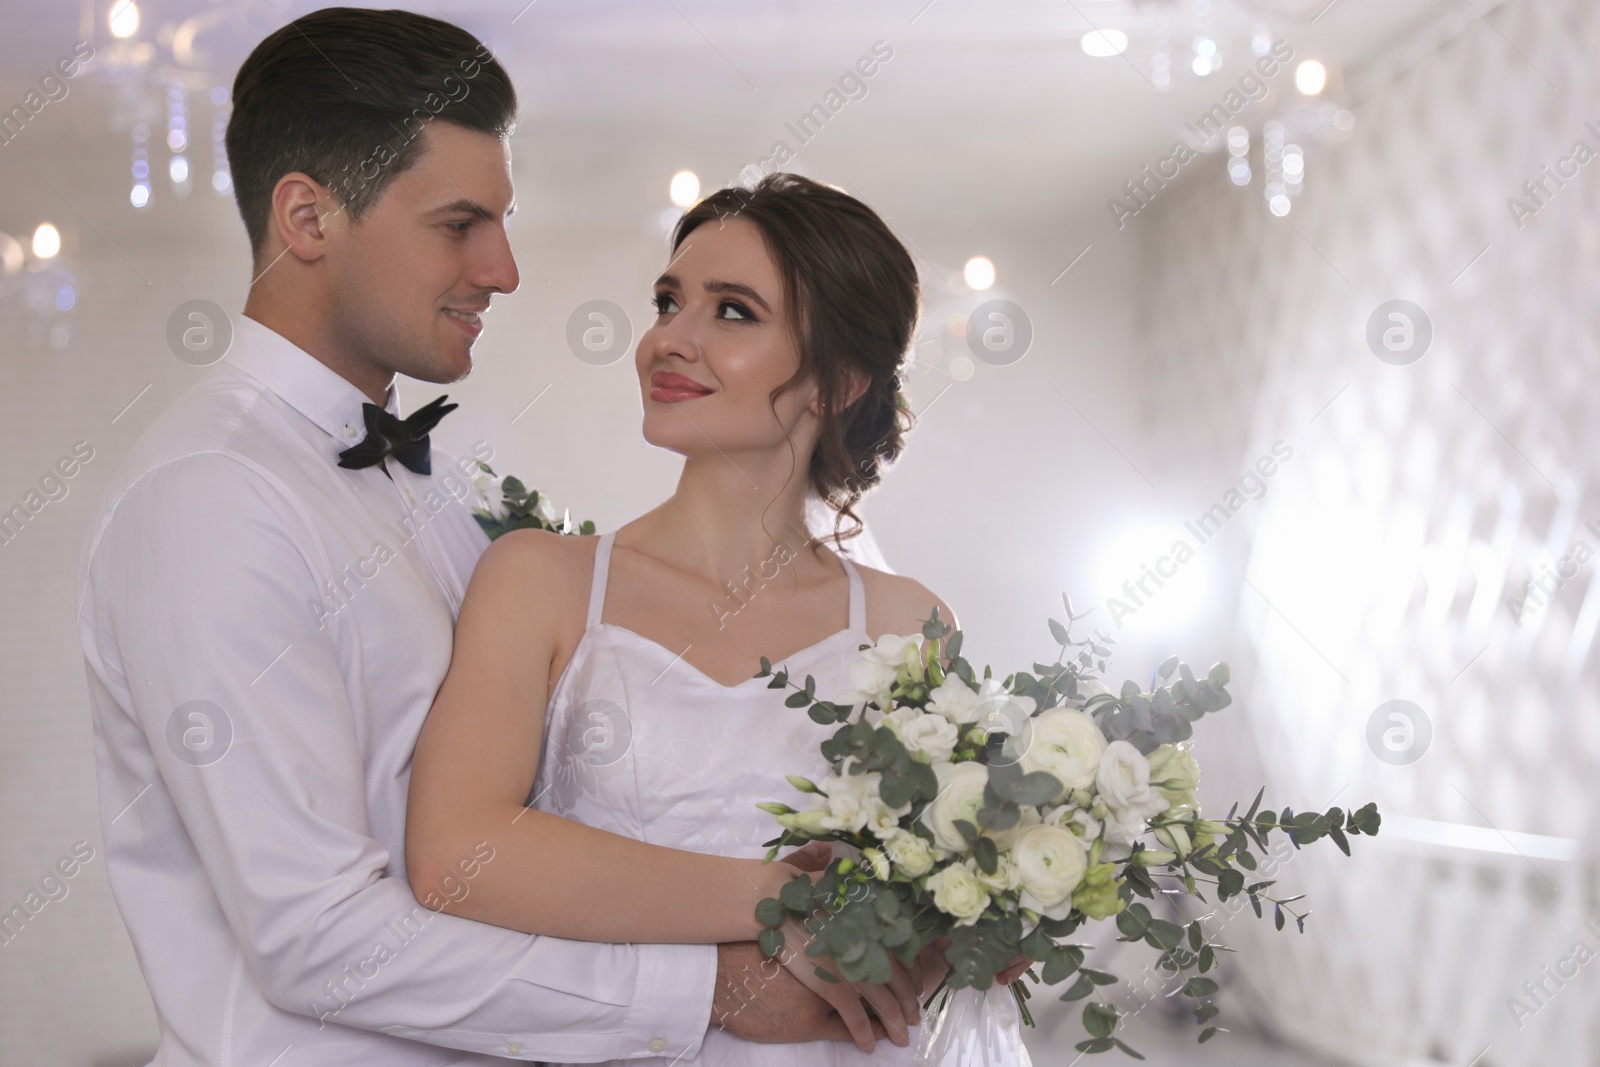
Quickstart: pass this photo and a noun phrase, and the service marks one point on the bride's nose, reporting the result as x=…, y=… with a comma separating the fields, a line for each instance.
x=676, y=336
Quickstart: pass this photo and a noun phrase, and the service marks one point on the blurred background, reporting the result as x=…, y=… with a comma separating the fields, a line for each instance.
x=1332, y=327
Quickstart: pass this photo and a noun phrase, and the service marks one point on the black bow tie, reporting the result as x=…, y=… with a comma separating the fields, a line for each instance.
x=404, y=439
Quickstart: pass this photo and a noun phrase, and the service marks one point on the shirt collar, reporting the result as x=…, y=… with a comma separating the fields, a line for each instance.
x=304, y=382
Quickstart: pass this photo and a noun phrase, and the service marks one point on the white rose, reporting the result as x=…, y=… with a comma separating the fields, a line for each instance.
x=957, y=893
x=544, y=509
x=1124, y=783
x=960, y=796
x=1066, y=743
x=1176, y=774
x=911, y=855
x=929, y=738
x=1050, y=865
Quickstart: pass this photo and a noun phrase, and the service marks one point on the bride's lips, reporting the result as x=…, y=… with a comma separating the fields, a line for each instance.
x=670, y=388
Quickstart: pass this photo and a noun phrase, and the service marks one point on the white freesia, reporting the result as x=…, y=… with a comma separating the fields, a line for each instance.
x=1073, y=818
x=911, y=854
x=1050, y=865
x=958, y=702
x=1005, y=878
x=958, y=894
x=883, y=822
x=873, y=673
x=875, y=861
x=852, y=799
x=1066, y=743
x=491, y=492
x=1124, y=784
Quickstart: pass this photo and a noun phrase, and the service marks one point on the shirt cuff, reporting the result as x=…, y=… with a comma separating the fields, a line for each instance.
x=673, y=998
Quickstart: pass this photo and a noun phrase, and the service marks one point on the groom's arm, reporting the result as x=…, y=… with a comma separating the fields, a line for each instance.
x=197, y=590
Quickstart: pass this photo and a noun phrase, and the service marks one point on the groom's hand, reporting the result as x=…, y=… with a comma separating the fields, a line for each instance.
x=759, y=1000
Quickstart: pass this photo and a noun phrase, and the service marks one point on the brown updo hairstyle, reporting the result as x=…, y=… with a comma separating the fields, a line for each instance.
x=853, y=294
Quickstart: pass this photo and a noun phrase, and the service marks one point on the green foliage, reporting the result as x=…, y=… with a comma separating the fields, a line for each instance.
x=521, y=506
x=862, y=922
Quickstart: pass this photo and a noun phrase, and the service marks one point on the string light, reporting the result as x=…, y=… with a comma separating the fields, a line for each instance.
x=221, y=176
x=139, y=195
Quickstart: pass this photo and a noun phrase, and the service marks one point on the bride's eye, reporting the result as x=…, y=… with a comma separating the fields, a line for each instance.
x=664, y=303
x=734, y=305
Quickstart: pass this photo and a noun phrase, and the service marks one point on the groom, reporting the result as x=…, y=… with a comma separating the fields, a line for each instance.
x=263, y=644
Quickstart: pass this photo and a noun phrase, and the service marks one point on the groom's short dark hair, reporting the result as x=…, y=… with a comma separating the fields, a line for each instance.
x=341, y=94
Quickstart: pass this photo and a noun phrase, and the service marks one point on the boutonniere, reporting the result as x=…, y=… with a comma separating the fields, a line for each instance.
x=506, y=504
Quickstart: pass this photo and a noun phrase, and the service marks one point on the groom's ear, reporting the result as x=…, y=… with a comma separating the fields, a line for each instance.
x=301, y=207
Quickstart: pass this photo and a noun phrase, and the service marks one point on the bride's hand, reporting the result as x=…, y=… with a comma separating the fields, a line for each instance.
x=894, y=1003
x=812, y=858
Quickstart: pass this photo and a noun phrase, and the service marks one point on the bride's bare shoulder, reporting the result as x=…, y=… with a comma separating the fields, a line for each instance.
x=536, y=566
x=899, y=604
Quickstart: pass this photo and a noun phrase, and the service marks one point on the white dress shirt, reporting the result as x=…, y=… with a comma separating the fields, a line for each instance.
x=264, y=633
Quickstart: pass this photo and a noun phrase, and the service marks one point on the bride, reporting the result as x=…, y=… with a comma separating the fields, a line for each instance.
x=606, y=684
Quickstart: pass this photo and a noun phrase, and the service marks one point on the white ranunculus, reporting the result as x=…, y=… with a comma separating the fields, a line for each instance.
x=911, y=854
x=960, y=796
x=957, y=893
x=1050, y=865
x=1066, y=743
x=1176, y=774
x=1124, y=784
x=929, y=738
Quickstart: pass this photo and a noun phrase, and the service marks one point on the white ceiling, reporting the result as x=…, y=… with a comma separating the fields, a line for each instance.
x=987, y=110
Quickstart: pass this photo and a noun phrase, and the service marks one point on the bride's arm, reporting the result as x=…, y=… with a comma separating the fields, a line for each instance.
x=475, y=764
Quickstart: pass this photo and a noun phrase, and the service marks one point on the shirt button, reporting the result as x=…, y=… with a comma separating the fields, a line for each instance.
x=349, y=431
x=514, y=1048
x=658, y=1044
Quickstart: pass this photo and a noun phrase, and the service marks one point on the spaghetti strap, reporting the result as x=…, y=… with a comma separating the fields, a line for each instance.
x=858, y=597
x=597, y=587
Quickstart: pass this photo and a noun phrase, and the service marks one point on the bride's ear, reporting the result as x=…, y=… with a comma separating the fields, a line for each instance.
x=856, y=383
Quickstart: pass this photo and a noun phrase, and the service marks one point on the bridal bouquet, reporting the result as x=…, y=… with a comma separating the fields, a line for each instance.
x=506, y=504
x=999, y=817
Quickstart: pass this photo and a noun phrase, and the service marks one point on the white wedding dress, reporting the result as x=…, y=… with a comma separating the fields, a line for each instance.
x=640, y=743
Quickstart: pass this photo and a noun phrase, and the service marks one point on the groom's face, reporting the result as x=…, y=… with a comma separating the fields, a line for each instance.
x=417, y=269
